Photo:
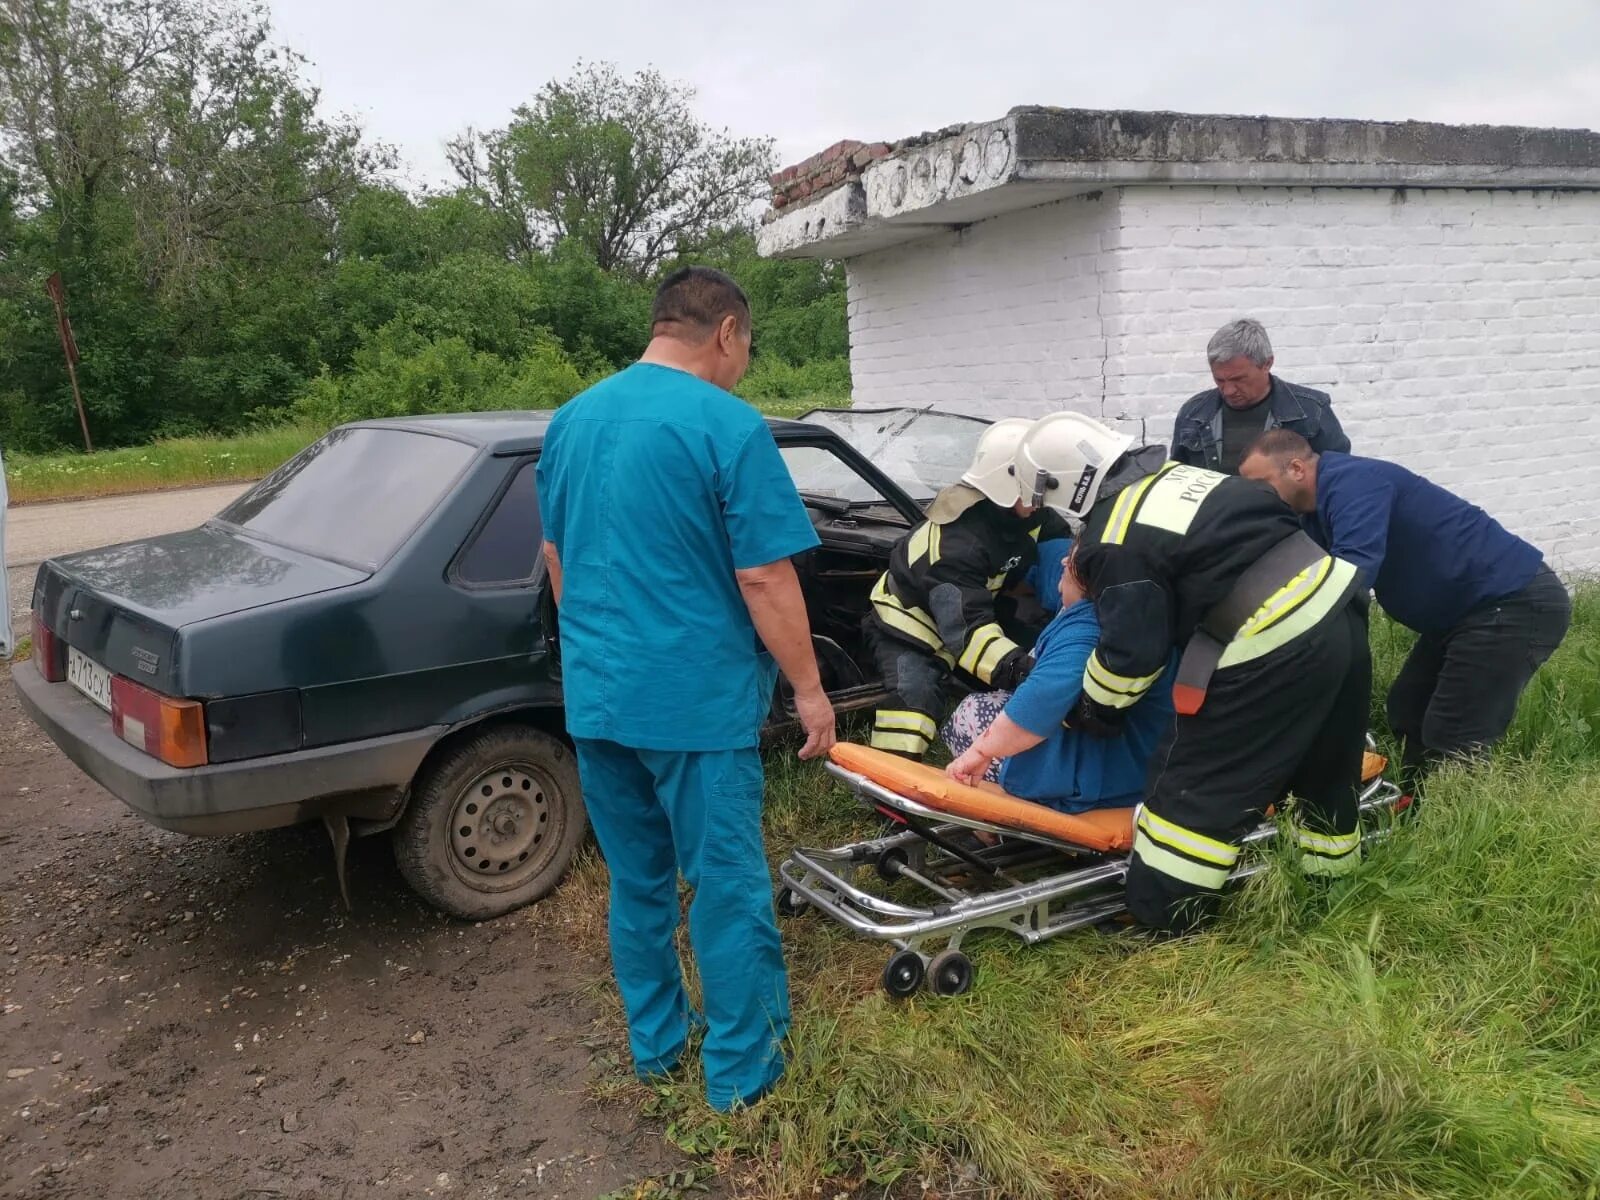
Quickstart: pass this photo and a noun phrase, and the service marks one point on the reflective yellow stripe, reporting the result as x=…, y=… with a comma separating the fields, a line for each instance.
x=1187, y=840
x=990, y=658
x=1330, y=844
x=934, y=537
x=1113, y=690
x=910, y=621
x=1101, y=696
x=1034, y=533
x=1176, y=496
x=906, y=720
x=1287, y=625
x=1122, y=511
x=985, y=648
x=1158, y=858
x=1287, y=598
x=1122, y=683
x=1318, y=864
x=903, y=743
x=994, y=581
x=917, y=543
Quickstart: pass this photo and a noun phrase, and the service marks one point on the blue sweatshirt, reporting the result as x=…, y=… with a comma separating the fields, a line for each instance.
x=1071, y=771
x=1428, y=555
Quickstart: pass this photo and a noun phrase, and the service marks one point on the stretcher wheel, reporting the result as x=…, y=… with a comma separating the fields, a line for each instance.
x=888, y=863
x=950, y=973
x=790, y=903
x=903, y=974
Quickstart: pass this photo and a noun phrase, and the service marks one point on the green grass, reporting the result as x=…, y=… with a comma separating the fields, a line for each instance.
x=178, y=462
x=193, y=461
x=1429, y=1027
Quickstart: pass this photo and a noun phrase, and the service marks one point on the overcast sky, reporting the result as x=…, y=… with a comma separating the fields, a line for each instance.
x=417, y=71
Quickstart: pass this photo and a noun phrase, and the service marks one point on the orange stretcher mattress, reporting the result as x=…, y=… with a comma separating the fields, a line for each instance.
x=1103, y=829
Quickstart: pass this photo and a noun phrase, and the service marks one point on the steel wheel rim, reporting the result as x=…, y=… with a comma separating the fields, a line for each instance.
x=505, y=827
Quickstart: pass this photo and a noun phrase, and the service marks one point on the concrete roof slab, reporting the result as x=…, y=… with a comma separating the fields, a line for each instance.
x=1036, y=155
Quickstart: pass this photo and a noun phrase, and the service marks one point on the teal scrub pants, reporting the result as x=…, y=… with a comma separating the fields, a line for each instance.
x=657, y=813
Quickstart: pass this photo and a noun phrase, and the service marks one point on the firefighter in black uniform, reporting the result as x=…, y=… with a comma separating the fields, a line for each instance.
x=941, y=611
x=1274, y=679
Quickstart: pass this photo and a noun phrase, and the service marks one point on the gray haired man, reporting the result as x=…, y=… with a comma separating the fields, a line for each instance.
x=1214, y=427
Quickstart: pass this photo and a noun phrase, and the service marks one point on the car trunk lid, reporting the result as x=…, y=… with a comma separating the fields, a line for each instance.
x=123, y=606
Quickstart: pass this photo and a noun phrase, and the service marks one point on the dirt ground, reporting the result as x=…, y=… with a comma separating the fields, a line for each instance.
x=200, y=1017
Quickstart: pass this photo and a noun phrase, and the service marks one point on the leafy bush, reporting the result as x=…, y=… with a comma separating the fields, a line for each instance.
x=397, y=372
x=775, y=379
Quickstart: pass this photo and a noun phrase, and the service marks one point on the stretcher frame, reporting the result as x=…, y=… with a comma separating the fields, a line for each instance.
x=1028, y=884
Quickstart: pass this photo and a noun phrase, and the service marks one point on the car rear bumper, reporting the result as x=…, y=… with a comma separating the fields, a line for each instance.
x=361, y=779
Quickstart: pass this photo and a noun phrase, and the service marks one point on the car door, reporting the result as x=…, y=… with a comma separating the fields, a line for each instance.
x=500, y=569
x=859, y=515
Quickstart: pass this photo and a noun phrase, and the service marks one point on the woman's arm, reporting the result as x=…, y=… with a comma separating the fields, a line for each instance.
x=1002, y=739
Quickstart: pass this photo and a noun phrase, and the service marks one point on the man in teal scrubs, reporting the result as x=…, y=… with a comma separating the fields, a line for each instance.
x=670, y=519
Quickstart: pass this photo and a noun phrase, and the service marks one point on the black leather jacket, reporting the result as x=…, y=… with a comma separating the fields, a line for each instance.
x=1197, y=433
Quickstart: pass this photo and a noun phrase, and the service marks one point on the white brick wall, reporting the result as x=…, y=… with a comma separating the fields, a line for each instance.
x=998, y=317
x=1457, y=331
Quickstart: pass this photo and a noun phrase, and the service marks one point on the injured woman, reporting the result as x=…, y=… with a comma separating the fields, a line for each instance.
x=1018, y=740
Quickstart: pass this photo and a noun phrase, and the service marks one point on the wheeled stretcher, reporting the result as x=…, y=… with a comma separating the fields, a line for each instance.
x=970, y=858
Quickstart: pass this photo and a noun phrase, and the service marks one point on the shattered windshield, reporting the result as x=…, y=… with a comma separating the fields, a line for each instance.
x=920, y=450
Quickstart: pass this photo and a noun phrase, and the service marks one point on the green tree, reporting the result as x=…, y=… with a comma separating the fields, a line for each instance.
x=172, y=166
x=621, y=167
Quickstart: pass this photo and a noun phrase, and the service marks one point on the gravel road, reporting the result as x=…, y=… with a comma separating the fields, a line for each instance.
x=35, y=532
x=201, y=1017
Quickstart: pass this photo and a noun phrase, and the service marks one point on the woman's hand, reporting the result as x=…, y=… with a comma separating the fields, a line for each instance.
x=970, y=768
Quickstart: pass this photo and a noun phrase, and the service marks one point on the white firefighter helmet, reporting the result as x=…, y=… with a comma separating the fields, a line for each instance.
x=991, y=470
x=1064, y=458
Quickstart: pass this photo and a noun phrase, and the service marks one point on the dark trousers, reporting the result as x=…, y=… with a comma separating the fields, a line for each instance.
x=920, y=685
x=1292, y=720
x=1457, y=692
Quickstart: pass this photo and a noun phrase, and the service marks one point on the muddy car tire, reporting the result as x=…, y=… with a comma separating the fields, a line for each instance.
x=493, y=822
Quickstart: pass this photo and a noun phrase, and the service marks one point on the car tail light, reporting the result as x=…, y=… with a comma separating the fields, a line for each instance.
x=49, y=651
x=172, y=730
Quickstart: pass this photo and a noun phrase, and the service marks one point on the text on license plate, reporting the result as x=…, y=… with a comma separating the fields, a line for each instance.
x=89, y=677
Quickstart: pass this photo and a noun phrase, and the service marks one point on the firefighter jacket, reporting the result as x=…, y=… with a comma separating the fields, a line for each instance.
x=1164, y=543
x=939, y=591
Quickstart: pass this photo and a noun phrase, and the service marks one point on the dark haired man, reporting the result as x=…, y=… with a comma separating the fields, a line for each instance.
x=1488, y=610
x=669, y=521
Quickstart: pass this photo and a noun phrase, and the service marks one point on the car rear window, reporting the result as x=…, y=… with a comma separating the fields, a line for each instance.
x=354, y=496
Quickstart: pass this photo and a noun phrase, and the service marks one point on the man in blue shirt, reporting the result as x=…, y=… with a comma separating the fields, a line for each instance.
x=670, y=519
x=1488, y=610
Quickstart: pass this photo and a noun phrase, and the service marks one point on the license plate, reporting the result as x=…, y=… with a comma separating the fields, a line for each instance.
x=89, y=677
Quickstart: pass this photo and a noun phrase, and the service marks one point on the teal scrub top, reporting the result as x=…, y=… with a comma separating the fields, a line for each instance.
x=655, y=487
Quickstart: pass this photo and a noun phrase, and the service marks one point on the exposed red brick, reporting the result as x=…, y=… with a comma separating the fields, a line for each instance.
x=869, y=154
x=779, y=200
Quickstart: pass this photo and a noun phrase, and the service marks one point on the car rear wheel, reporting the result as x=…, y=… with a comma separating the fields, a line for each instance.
x=493, y=822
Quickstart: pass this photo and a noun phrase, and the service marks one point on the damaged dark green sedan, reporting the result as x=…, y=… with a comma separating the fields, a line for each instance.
x=366, y=639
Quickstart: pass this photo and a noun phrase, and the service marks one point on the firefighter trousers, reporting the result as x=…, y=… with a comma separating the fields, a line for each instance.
x=920, y=683
x=1294, y=720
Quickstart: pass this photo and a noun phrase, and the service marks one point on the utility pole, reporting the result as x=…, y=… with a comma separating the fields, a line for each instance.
x=69, y=347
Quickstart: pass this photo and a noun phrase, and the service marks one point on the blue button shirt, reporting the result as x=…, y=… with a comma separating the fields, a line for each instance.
x=1429, y=556
x=655, y=487
x=1072, y=771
